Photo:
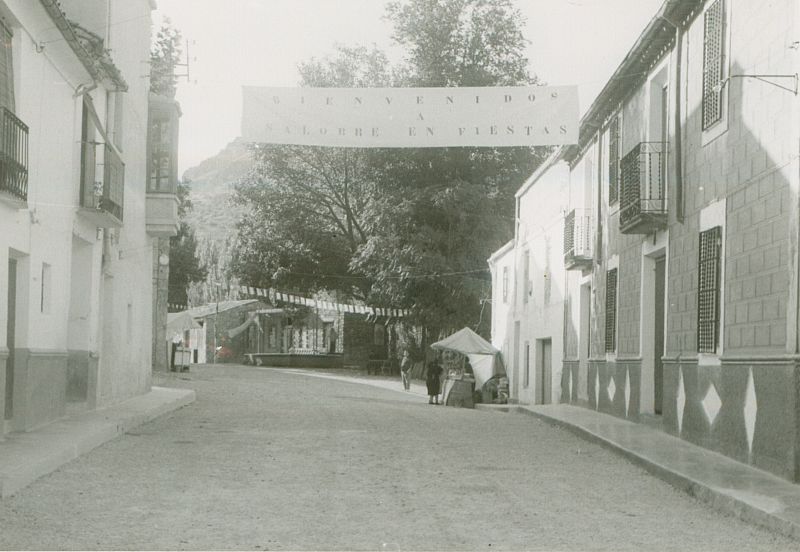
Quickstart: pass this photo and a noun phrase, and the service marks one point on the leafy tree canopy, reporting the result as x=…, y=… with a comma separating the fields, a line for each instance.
x=408, y=228
x=184, y=266
x=165, y=55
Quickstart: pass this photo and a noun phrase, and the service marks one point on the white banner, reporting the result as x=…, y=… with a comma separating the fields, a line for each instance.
x=412, y=117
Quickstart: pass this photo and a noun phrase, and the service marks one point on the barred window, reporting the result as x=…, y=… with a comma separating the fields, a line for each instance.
x=712, y=63
x=708, y=290
x=611, y=310
x=505, y=284
x=613, y=160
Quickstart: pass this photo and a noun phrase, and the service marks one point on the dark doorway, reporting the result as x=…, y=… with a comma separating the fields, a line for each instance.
x=658, y=324
x=545, y=372
x=11, y=336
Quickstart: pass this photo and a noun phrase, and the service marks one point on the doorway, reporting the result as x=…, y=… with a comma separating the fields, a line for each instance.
x=583, y=341
x=544, y=348
x=11, y=328
x=658, y=325
x=517, y=371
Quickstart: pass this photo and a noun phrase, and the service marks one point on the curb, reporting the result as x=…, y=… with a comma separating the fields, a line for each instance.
x=714, y=497
x=29, y=456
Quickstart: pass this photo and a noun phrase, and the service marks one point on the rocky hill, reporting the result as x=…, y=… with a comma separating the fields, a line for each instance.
x=213, y=216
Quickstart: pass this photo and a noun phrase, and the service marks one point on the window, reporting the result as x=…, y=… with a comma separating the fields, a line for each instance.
x=613, y=160
x=160, y=156
x=505, y=284
x=89, y=188
x=713, y=55
x=114, y=113
x=611, y=310
x=6, y=70
x=708, y=290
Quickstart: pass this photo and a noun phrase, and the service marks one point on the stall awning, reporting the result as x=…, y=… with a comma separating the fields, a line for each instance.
x=466, y=341
x=252, y=319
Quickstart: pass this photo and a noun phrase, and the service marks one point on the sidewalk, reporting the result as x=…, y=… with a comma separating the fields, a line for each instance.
x=25, y=457
x=729, y=486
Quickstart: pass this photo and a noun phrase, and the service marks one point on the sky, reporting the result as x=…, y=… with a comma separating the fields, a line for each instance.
x=260, y=43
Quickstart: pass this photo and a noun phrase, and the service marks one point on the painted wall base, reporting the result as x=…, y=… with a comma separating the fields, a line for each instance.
x=82, y=378
x=746, y=409
x=40, y=383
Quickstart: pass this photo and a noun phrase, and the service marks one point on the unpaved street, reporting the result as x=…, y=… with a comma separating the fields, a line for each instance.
x=268, y=459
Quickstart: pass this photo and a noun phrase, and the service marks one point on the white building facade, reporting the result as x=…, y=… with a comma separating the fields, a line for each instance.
x=528, y=289
x=681, y=233
x=76, y=259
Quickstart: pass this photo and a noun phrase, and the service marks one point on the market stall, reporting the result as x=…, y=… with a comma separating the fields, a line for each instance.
x=472, y=363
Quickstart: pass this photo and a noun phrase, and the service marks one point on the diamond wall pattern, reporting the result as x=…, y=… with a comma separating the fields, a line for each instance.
x=750, y=410
x=711, y=404
x=680, y=401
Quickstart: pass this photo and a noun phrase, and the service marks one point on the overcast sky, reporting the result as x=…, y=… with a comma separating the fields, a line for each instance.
x=260, y=43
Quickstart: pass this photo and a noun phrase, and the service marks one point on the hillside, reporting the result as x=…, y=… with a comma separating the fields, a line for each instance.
x=211, y=182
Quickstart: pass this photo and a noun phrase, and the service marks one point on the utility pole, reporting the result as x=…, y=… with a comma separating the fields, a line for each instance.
x=217, y=286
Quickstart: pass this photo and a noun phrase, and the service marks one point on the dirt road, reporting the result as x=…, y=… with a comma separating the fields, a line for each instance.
x=268, y=459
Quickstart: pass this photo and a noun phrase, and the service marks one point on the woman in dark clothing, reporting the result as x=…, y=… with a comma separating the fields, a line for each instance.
x=434, y=373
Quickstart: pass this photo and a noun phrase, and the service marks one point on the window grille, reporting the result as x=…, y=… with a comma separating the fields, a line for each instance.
x=712, y=63
x=708, y=292
x=613, y=160
x=611, y=310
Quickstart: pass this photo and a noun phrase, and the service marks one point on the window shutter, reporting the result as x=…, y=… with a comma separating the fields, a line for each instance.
x=613, y=160
x=708, y=292
x=611, y=310
x=712, y=64
x=6, y=69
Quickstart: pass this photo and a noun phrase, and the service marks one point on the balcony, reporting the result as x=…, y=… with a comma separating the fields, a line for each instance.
x=13, y=159
x=161, y=213
x=101, y=201
x=578, y=240
x=162, y=167
x=643, y=194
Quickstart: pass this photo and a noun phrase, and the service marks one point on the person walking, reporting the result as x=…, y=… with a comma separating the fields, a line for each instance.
x=405, y=370
x=433, y=382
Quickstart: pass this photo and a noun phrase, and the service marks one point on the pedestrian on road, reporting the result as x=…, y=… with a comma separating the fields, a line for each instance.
x=433, y=382
x=405, y=370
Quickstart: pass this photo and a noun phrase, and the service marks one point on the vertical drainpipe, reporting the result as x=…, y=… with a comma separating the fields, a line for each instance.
x=678, y=119
x=678, y=125
x=796, y=139
x=108, y=24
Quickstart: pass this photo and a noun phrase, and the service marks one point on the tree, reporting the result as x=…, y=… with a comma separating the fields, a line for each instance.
x=445, y=210
x=184, y=266
x=306, y=206
x=461, y=42
x=408, y=228
x=164, y=57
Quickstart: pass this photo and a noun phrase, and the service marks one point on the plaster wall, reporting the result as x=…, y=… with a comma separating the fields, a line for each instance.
x=73, y=337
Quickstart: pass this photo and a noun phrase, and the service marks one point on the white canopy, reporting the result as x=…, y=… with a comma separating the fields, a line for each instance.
x=483, y=357
x=466, y=341
x=178, y=322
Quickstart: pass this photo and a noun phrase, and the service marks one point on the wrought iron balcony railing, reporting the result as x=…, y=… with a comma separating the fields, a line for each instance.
x=105, y=196
x=643, y=194
x=13, y=156
x=578, y=239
